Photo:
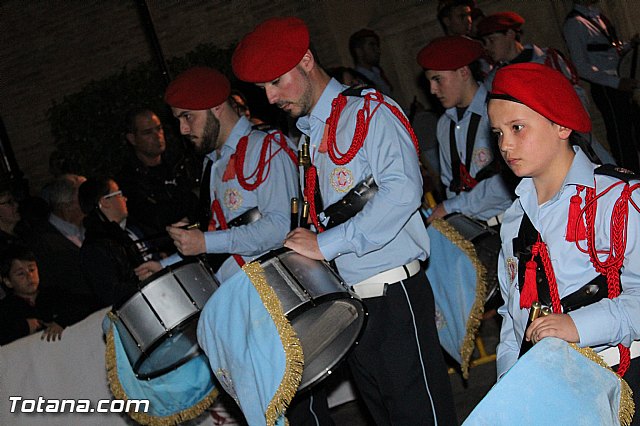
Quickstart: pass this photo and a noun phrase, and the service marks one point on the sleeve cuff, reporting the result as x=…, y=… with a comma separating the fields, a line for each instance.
x=590, y=335
x=332, y=242
x=217, y=241
x=174, y=258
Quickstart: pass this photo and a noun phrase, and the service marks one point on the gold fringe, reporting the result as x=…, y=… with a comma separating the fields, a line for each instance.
x=144, y=418
x=477, y=310
x=292, y=348
x=627, y=407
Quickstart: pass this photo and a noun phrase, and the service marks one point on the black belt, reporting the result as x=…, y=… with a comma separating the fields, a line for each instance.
x=350, y=205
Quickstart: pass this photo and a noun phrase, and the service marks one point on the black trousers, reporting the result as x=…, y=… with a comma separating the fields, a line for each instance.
x=310, y=409
x=622, y=122
x=398, y=366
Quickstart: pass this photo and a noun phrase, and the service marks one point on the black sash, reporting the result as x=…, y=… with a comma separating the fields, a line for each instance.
x=591, y=292
x=349, y=205
x=456, y=181
x=609, y=31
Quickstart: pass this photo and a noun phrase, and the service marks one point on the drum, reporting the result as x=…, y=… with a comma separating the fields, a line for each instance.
x=326, y=316
x=487, y=243
x=158, y=323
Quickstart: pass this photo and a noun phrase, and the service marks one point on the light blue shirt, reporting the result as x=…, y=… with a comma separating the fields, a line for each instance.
x=600, y=67
x=388, y=232
x=600, y=325
x=272, y=197
x=539, y=56
x=490, y=196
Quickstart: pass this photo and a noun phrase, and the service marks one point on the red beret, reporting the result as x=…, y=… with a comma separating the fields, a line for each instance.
x=544, y=90
x=449, y=53
x=273, y=48
x=198, y=88
x=499, y=22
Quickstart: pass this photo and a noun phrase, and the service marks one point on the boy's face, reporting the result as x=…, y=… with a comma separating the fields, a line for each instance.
x=528, y=141
x=498, y=45
x=23, y=278
x=447, y=86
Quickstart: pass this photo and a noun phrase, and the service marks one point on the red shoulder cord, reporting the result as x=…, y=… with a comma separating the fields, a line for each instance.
x=339, y=158
x=259, y=174
x=609, y=267
x=216, y=211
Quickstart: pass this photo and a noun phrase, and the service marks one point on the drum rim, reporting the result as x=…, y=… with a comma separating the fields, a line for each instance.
x=182, y=325
x=328, y=370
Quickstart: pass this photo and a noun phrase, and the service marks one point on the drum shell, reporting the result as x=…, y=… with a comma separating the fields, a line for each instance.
x=327, y=317
x=158, y=323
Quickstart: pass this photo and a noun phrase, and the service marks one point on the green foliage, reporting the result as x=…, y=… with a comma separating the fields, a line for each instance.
x=88, y=126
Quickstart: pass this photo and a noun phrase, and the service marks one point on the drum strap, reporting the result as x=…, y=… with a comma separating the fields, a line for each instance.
x=349, y=205
x=609, y=31
x=591, y=292
x=462, y=180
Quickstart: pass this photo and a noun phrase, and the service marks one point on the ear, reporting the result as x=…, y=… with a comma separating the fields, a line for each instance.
x=7, y=282
x=217, y=110
x=308, y=61
x=130, y=138
x=564, y=132
x=464, y=72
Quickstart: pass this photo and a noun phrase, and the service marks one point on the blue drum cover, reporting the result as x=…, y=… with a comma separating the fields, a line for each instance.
x=252, y=348
x=457, y=279
x=177, y=396
x=559, y=384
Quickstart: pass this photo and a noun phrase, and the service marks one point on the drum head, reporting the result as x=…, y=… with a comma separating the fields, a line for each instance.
x=327, y=333
x=327, y=318
x=158, y=323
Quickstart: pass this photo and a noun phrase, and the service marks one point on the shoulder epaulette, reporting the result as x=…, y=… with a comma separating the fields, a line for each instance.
x=355, y=91
x=263, y=127
x=615, y=171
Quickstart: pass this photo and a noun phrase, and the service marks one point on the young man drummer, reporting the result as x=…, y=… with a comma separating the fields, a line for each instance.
x=249, y=176
x=469, y=164
x=571, y=239
x=398, y=365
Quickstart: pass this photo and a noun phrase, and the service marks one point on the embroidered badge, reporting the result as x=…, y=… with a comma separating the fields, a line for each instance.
x=225, y=380
x=341, y=179
x=512, y=269
x=482, y=157
x=232, y=199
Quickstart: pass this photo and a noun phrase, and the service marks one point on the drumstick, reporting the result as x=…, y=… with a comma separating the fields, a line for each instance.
x=165, y=234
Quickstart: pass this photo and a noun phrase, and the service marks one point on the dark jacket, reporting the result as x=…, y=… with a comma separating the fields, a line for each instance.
x=108, y=257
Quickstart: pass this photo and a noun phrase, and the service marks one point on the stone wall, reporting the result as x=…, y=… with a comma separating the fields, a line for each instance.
x=50, y=49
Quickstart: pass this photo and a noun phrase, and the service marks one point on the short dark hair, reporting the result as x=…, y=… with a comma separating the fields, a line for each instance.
x=446, y=6
x=91, y=191
x=131, y=115
x=358, y=38
x=13, y=252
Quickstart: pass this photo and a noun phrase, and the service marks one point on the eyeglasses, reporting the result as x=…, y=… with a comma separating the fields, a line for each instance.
x=113, y=194
x=8, y=201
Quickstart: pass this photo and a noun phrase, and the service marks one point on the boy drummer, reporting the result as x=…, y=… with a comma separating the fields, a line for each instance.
x=570, y=240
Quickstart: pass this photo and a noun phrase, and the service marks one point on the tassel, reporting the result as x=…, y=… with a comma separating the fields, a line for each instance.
x=230, y=171
x=529, y=292
x=575, y=225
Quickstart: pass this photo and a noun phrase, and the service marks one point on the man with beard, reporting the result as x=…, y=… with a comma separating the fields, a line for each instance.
x=249, y=176
x=397, y=365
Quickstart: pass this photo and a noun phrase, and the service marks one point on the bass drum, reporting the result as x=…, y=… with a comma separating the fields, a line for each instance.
x=487, y=243
x=326, y=316
x=158, y=323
